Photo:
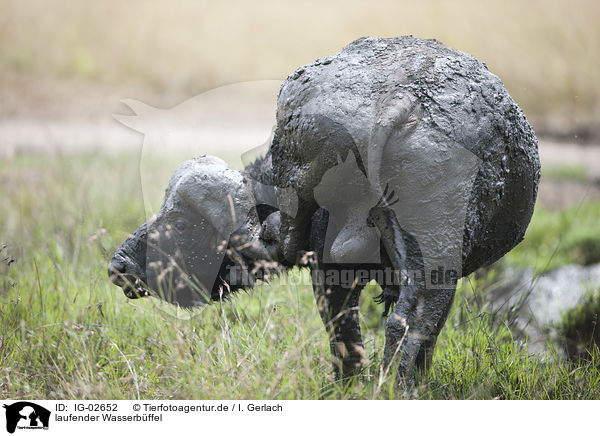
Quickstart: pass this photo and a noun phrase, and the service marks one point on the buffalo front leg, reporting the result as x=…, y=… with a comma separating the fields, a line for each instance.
x=338, y=307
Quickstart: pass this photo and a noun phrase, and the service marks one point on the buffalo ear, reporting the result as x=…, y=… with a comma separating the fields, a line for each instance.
x=218, y=193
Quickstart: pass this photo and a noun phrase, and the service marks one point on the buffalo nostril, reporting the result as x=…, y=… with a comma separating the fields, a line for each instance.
x=115, y=270
x=116, y=266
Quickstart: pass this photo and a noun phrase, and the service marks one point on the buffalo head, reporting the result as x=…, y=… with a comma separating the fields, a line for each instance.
x=207, y=225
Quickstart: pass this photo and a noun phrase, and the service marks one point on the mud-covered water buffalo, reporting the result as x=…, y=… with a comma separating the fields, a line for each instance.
x=397, y=160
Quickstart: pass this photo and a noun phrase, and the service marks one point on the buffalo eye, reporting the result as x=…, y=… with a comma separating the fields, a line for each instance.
x=180, y=225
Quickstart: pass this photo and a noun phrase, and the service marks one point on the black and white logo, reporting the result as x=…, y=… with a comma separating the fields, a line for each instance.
x=26, y=415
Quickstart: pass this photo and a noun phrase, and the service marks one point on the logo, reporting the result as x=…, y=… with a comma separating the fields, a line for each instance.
x=26, y=415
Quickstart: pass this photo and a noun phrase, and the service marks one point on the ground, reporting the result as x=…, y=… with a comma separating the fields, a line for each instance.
x=66, y=332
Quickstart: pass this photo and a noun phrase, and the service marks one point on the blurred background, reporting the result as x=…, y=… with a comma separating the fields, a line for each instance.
x=66, y=64
x=74, y=183
x=69, y=59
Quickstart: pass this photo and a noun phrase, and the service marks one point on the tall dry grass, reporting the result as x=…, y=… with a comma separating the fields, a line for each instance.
x=546, y=52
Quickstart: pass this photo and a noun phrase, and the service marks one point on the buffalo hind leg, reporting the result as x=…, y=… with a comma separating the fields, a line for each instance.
x=412, y=328
x=338, y=307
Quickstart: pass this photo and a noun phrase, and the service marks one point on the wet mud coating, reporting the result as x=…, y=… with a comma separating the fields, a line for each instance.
x=394, y=155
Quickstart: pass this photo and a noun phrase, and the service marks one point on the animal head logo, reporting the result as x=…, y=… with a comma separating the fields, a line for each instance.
x=26, y=415
x=427, y=196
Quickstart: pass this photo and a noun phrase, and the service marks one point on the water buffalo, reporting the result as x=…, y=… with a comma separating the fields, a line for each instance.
x=398, y=155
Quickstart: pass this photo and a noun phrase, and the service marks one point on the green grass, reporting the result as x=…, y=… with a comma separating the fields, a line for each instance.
x=579, y=328
x=66, y=332
x=558, y=238
x=566, y=172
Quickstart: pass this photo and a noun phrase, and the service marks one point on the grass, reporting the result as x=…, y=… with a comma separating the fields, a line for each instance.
x=557, y=238
x=578, y=328
x=576, y=173
x=65, y=332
